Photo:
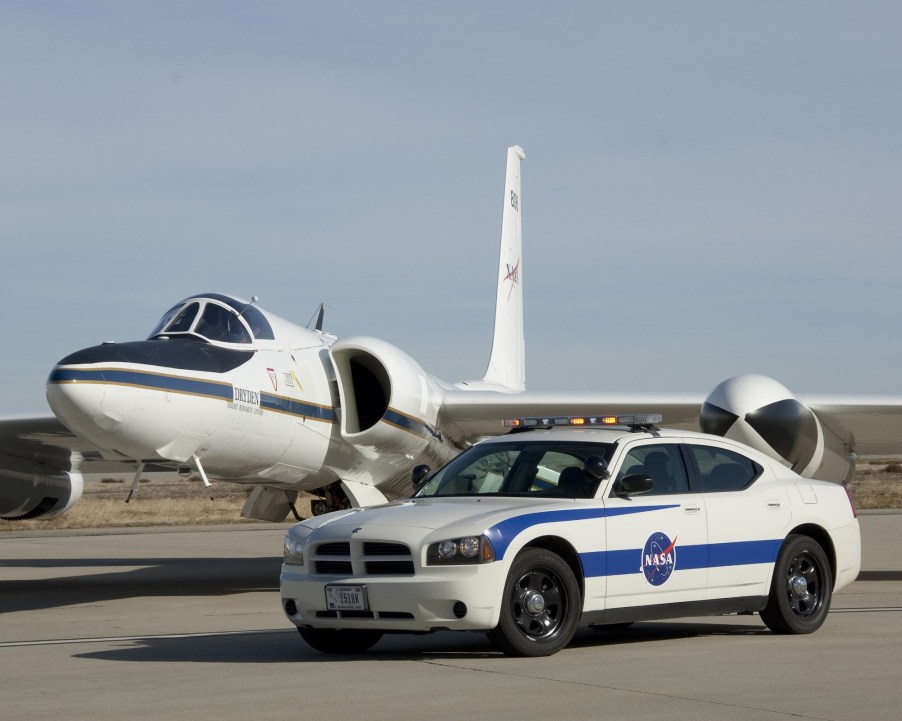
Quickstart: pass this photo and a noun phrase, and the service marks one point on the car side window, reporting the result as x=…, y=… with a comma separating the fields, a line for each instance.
x=663, y=462
x=721, y=470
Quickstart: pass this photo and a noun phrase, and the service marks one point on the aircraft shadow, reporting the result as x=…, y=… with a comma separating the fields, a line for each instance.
x=155, y=577
x=285, y=646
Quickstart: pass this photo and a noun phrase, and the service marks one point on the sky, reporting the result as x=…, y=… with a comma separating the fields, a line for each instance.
x=710, y=188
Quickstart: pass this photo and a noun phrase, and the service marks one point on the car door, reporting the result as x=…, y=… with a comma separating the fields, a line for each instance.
x=656, y=541
x=747, y=511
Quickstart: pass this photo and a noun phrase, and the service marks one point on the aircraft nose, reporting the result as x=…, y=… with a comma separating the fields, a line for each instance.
x=83, y=394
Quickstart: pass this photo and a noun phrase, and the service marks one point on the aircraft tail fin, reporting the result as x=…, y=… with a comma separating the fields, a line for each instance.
x=507, y=364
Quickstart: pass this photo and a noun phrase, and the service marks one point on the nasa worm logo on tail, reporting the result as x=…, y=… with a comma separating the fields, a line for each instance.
x=659, y=558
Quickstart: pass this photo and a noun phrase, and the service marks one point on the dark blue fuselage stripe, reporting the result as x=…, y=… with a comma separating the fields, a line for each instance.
x=292, y=407
x=410, y=424
x=190, y=386
x=155, y=381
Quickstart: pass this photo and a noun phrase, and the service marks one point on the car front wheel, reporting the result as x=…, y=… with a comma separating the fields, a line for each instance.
x=345, y=640
x=541, y=605
x=802, y=588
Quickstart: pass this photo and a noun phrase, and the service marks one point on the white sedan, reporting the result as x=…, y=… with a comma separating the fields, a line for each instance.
x=559, y=525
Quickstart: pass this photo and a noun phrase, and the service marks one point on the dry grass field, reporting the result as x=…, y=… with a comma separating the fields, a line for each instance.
x=162, y=501
x=177, y=501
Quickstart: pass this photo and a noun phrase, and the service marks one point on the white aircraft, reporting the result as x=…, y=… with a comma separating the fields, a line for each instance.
x=229, y=391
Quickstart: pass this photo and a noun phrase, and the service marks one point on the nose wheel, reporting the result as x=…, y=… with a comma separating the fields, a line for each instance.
x=333, y=499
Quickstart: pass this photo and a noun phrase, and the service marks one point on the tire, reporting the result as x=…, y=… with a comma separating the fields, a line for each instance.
x=802, y=588
x=345, y=640
x=540, y=607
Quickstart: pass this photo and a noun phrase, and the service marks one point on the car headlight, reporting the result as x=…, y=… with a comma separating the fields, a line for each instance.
x=459, y=551
x=292, y=550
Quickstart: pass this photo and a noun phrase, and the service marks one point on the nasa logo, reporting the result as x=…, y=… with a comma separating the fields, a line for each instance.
x=658, y=558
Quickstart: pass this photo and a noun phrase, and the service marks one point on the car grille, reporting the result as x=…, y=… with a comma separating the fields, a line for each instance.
x=369, y=558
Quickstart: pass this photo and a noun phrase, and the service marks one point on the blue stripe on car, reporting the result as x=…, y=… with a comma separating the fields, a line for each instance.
x=501, y=534
x=715, y=555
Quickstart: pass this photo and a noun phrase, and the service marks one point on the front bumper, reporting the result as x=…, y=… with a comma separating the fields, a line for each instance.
x=436, y=598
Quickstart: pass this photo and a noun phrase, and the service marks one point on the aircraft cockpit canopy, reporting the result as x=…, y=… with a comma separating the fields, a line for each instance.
x=215, y=318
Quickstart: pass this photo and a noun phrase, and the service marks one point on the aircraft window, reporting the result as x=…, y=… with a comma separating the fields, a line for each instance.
x=220, y=324
x=260, y=327
x=720, y=470
x=182, y=322
x=165, y=320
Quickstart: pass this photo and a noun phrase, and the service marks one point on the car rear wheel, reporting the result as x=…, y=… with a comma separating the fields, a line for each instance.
x=802, y=588
x=541, y=605
x=344, y=640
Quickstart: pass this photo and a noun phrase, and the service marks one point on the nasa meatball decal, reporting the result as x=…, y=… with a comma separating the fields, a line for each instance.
x=659, y=558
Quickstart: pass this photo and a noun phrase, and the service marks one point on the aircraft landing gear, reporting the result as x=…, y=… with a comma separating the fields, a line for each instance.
x=334, y=499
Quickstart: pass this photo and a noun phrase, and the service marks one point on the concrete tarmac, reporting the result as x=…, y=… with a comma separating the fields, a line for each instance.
x=186, y=624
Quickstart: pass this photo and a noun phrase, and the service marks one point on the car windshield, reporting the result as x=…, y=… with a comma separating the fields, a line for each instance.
x=520, y=468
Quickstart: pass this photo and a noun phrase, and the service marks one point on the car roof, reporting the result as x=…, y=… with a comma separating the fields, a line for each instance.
x=600, y=435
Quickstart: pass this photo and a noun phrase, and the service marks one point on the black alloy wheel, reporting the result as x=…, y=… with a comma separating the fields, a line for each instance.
x=541, y=605
x=802, y=588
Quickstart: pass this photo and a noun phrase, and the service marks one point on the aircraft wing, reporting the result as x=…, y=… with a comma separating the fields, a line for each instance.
x=870, y=425
x=467, y=416
x=873, y=424
x=41, y=466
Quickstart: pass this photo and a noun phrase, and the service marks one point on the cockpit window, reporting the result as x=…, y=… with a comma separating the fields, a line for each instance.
x=227, y=323
x=260, y=327
x=182, y=322
x=220, y=324
x=166, y=319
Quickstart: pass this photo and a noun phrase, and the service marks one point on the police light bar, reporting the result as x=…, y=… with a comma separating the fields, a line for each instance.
x=635, y=420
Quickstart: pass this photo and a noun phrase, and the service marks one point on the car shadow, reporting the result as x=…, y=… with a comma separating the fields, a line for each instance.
x=285, y=646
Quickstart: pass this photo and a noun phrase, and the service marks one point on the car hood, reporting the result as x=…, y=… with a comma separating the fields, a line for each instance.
x=434, y=513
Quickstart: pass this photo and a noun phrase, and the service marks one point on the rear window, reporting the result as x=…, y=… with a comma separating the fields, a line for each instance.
x=721, y=470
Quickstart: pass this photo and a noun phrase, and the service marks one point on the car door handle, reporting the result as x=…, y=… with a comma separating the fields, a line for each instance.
x=692, y=509
x=775, y=504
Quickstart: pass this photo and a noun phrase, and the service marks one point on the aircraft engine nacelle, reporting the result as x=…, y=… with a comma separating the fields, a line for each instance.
x=388, y=402
x=761, y=412
x=27, y=491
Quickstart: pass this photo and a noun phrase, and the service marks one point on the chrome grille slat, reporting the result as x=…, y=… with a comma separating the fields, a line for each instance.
x=360, y=558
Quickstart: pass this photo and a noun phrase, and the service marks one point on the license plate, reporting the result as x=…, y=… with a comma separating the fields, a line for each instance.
x=346, y=598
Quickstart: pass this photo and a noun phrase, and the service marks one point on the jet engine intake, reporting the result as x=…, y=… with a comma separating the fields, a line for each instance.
x=388, y=402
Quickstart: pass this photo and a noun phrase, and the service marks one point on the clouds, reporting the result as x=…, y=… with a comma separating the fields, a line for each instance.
x=714, y=187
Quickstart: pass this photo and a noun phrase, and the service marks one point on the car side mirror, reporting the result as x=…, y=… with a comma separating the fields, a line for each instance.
x=634, y=484
x=419, y=474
